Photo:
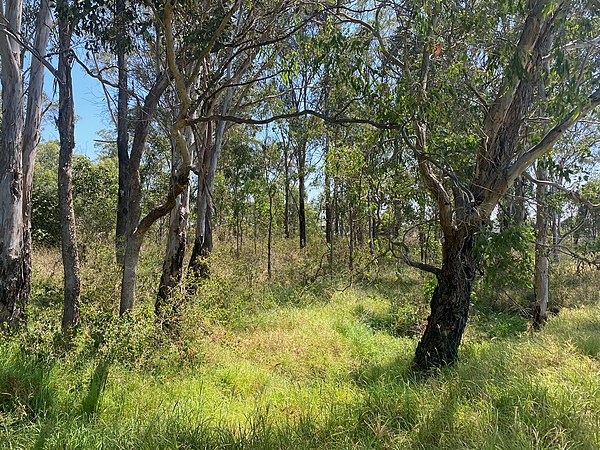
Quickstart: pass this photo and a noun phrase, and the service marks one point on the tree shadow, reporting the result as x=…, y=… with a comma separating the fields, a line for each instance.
x=90, y=403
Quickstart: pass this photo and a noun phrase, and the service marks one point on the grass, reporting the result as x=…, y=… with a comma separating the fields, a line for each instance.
x=279, y=366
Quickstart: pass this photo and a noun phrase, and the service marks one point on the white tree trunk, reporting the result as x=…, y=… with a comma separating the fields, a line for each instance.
x=13, y=283
x=541, y=251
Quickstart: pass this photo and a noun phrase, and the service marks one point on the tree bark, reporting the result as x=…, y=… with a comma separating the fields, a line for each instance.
x=66, y=129
x=167, y=301
x=31, y=134
x=541, y=252
x=270, y=235
x=286, y=181
x=122, y=135
x=449, y=304
x=134, y=236
x=301, y=156
x=14, y=285
x=203, y=243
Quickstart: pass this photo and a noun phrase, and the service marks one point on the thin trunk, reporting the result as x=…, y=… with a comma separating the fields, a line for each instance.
x=270, y=235
x=556, y=233
x=351, y=237
x=203, y=242
x=449, y=304
x=372, y=225
x=66, y=130
x=301, y=195
x=286, y=213
x=122, y=135
x=541, y=252
x=14, y=285
x=255, y=228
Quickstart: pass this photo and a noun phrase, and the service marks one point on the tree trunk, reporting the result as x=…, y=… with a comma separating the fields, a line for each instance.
x=130, y=267
x=14, y=285
x=541, y=253
x=122, y=136
x=31, y=134
x=134, y=236
x=270, y=235
x=372, y=225
x=286, y=212
x=166, y=305
x=449, y=304
x=351, y=237
x=556, y=233
x=66, y=129
x=301, y=195
x=203, y=242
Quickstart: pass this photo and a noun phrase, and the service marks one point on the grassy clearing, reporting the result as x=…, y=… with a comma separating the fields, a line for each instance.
x=278, y=366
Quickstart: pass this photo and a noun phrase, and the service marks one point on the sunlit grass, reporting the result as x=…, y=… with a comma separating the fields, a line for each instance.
x=323, y=373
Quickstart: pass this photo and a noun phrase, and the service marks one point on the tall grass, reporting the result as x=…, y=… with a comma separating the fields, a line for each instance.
x=291, y=363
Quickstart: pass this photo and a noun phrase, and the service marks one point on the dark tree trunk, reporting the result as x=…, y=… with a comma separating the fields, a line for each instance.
x=167, y=301
x=122, y=143
x=351, y=237
x=449, y=304
x=286, y=213
x=372, y=226
x=66, y=129
x=203, y=245
x=270, y=235
x=301, y=195
x=328, y=209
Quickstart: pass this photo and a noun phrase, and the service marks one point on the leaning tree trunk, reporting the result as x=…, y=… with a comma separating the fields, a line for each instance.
x=203, y=243
x=541, y=252
x=14, y=285
x=66, y=130
x=449, y=304
x=31, y=134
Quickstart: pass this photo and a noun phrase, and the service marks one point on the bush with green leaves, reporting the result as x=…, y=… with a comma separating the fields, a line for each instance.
x=95, y=185
x=505, y=259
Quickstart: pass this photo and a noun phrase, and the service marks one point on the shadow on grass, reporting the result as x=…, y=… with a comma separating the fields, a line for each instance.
x=90, y=403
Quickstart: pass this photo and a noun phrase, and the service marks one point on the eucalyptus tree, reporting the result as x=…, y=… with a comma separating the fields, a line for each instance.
x=464, y=81
x=66, y=129
x=247, y=59
x=20, y=135
x=118, y=27
x=190, y=37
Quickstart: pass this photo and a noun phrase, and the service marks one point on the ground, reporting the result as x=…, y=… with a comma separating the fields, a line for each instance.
x=324, y=366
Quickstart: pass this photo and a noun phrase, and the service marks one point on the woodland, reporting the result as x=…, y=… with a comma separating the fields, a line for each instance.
x=307, y=224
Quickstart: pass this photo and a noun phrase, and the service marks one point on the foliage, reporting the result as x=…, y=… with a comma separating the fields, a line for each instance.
x=94, y=195
x=506, y=258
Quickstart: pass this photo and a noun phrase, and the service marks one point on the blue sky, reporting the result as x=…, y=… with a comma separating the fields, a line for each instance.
x=90, y=110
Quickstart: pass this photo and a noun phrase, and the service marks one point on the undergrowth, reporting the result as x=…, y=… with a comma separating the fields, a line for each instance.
x=296, y=361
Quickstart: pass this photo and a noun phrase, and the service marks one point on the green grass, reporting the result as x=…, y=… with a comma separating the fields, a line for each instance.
x=299, y=368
